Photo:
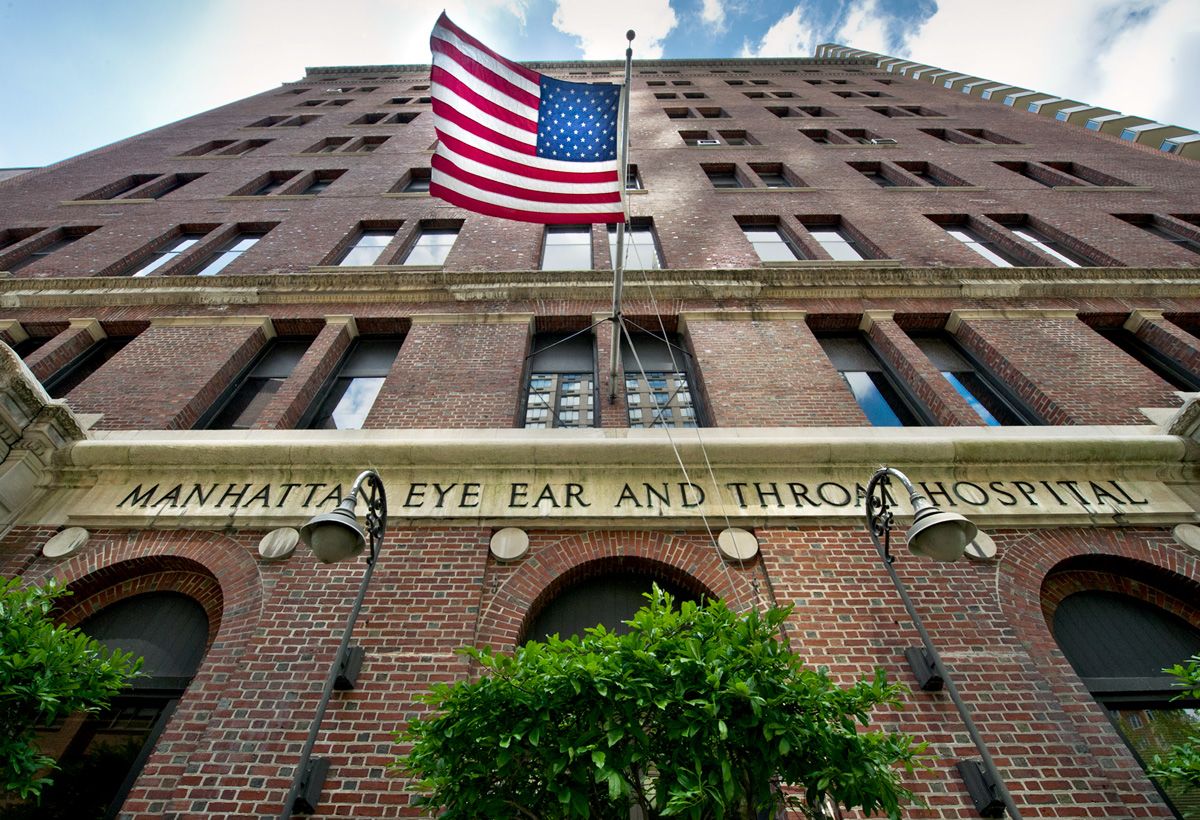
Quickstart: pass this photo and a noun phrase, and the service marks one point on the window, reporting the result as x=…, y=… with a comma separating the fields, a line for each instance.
x=991, y=401
x=207, y=148
x=416, y=181
x=815, y=111
x=320, y=182
x=1082, y=175
x=369, y=119
x=351, y=393
x=561, y=388
x=610, y=599
x=232, y=249
x=845, y=136
x=366, y=145
x=770, y=243
x=567, y=247
x=879, y=395
x=1021, y=228
x=368, y=247
x=48, y=245
x=986, y=248
x=327, y=145
x=85, y=364
x=633, y=181
x=709, y=139
x=122, y=187
x=723, y=175
x=641, y=247
x=968, y=136
x=775, y=175
x=1118, y=645
x=245, y=401
x=1156, y=227
x=431, y=246
x=931, y=174
x=658, y=391
x=832, y=235
x=1166, y=368
x=106, y=749
x=268, y=184
x=168, y=253
x=875, y=172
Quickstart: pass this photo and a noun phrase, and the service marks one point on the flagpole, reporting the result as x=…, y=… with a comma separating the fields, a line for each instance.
x=619, y=260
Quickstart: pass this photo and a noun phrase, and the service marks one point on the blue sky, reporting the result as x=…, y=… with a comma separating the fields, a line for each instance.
x=80, y=74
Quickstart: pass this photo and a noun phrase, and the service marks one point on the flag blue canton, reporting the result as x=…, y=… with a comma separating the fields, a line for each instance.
x=577, y=122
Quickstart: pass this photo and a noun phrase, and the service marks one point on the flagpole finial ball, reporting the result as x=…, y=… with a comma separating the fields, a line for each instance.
x=629, y=35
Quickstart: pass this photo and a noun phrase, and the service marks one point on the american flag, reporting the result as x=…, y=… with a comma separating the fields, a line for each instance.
x=517, y=144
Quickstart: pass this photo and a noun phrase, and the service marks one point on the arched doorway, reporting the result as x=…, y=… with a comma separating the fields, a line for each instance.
x=100, y=755
x=1119, y=643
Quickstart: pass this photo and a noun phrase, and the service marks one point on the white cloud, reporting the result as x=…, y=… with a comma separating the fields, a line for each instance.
x=1136, y=56
x=712, y=13
x=863, y=26
x=790, y=36
x=600, y=27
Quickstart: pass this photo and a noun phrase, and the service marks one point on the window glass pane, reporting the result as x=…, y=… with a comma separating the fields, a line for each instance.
x=957, y=383
x=567, y=248
x=368, y=248
x=867, y=392
x=559, y=400
x=168, y=254
x=641, y=252
x=770, y=244
x=1047, y=245
x=247, y=404
x=432, y=246
x=1152, y=731
x=981, y=246
x=348, y=403
x=836, y=243
x=224, y=258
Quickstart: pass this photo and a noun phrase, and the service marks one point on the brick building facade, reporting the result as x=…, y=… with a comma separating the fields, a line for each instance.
x=852, y=268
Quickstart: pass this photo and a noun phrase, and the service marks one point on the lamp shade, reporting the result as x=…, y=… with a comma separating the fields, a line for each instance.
x=943, y=536
x=335, y=536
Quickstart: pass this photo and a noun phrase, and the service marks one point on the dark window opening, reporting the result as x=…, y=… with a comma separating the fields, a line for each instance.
x=608, y=599
x=245, y=401
x=84, y=365
x=883, y=399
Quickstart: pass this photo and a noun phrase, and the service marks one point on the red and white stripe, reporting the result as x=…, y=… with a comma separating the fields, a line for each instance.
x=485, y=112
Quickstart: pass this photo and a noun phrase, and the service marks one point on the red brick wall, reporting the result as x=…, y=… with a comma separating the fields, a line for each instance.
x=230, y=749
x=926, y=381
x=454, y=375
x=169, y=375
x=59, y=351
x=1065, y=371
x=770, y=374
x=303, y=386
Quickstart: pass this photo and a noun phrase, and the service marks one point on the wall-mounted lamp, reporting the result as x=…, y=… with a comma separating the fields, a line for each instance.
x=943, y=536
x=336, y=536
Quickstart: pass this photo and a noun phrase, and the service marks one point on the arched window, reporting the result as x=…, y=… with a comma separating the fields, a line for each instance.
x=101, y=755
x=606, y=597
x=1119, y=646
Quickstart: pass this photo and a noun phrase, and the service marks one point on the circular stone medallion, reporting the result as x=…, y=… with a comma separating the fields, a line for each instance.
x=509, y=544
x=737, y=544
x=983, y=548
x=278, y=544
x=68, y=542
x=1188, y=535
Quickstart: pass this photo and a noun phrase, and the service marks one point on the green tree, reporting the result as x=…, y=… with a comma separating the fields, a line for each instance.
x=696, y=712
x=1179, y=768
x=47, y=671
